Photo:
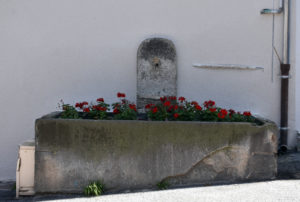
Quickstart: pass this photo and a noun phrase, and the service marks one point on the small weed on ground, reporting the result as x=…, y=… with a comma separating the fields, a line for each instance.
x=94, y=189
x=163, y=185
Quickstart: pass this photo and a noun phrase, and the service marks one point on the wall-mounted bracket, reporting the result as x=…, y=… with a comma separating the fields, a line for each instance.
x=273, y=11
x=285, y=76
x=228, y=66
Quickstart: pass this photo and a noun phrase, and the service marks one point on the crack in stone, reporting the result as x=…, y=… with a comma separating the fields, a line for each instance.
x=195, y=165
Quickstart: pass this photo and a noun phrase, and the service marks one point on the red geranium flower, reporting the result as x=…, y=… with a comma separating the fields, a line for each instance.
x=100, y=100
x=175, y=107
x=167, y=103
x=86, y=109
x=198, y=107
x=222, y=114
x=176, y=115
x=116, y=111
x=171, y=108
x=247, y=113
x=148, y=106
x=99, y=108
x=172, y=98
x=132, y=106
x=224, y=111
x=212, y=109
x=154, y=110
x=163, y=99
x=231, y=112
x=81, y=104
x=121, y=94
x=209, y=103
x=194, y=103
x=181, y=99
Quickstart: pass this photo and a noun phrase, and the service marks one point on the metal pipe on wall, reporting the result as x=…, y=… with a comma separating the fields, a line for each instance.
x=285, y=68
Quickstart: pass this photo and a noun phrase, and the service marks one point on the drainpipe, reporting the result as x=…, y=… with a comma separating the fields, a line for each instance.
x=285, y=68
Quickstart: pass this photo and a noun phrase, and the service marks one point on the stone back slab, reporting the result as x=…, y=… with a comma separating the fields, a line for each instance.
x=156, y=71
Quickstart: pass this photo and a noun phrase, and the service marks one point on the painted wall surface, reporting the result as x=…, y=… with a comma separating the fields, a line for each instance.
x=79, y=50
x=297, y=78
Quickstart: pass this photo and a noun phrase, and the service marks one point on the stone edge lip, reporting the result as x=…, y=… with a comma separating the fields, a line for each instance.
x=266, y=122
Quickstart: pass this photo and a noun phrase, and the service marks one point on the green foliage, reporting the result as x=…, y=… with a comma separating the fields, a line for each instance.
x=99, y=111
x=163, y=185
x=124, y=110
x=94, y=189
x=69, y=112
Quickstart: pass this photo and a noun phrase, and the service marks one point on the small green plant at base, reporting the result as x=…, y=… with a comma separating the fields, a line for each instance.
x=94, y=189
x=163, y=185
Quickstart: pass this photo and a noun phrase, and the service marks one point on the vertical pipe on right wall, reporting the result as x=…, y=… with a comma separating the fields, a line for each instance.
x=285, y=69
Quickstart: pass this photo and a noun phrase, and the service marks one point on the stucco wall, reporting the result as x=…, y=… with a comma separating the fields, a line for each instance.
x=297, y=77
x=81, y=49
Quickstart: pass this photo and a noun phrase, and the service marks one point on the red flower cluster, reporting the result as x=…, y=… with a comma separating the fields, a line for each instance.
x=173, y=107
x=116, y=111
x=198, y=107
x=181, y=99
x=209, y=103
x=81, y=104
x=99, y=108
x=100, y=100
x=167, y=103
x=86, y=110
x=194, y=103
x=222, y=114
x=121, y=94
x=231, y=112
x=173, y=98
x=176, y=115
x=247, y=114
x=154, y=110
x=132, y=106
x=212, y=110
x=163, y=99
x=148, y=106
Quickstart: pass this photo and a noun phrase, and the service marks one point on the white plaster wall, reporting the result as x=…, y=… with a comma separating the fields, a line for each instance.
x=297, y=78
x=82, y=49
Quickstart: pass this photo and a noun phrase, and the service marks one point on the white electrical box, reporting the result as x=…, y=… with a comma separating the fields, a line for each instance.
x=25, y=169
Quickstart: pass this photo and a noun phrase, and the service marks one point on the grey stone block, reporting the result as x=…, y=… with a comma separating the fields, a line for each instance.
x=156, y=71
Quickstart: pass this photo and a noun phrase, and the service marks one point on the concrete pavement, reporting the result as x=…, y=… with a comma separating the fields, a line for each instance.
x=272, y=191
x=281, y=191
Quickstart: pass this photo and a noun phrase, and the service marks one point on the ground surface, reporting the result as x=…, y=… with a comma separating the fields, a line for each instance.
x=279, y=190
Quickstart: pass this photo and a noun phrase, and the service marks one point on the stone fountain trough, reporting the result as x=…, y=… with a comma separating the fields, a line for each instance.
x=133, y=155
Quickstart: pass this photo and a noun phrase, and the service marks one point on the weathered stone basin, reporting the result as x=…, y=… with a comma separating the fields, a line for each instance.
x=129, y=155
